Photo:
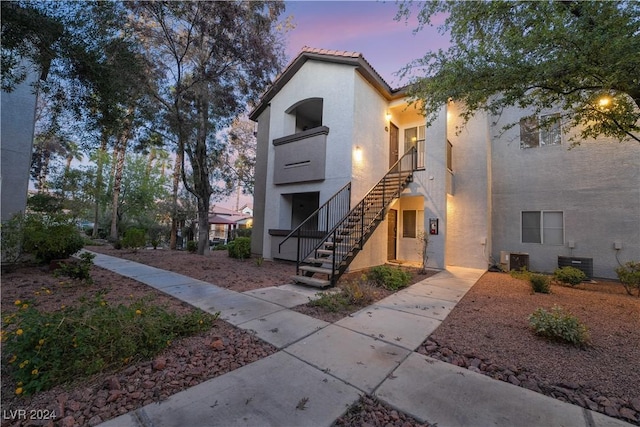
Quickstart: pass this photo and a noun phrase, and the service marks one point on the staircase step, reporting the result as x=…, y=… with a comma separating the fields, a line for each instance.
x=326, y=260
x=312, y=281
x=312, y=269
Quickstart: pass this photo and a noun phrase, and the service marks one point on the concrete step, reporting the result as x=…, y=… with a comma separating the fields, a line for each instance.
x=326, y=260
x=312, y=269
x=312, y=281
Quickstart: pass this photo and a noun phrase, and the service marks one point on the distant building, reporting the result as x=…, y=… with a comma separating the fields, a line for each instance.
x=223, y=222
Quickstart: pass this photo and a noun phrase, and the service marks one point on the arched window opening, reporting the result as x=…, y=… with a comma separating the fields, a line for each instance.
x=307, y=113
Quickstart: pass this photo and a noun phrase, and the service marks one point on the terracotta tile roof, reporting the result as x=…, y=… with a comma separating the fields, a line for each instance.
x=341, y=56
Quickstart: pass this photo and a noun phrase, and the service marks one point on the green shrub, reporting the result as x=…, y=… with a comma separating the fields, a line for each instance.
x=48, y=239
x=522, y=274
x=12, y=233
x=134, y=238
x=45, y=349
x=192, y=246
x=569, y=275
x=220, y=247
x=350, y=294
x=117, y=245
x=557, y=325
x=240, y=248
x=629, y=276
x=540, y=283
x=389, y=277
x=78, y=269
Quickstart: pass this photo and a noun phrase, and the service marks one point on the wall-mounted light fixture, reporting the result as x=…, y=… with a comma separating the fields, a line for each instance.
x=357, y=154
x=388, y=116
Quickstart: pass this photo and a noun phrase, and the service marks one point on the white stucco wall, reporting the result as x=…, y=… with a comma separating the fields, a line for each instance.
x=335, y=85
x=468, y=208
x=16, y=142
x=596, y=185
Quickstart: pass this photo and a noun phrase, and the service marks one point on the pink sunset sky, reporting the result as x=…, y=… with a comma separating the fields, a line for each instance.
x=367, y=27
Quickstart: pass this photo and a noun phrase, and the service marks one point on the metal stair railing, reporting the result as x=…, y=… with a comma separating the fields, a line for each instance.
x=349, y=235
x=318, y=224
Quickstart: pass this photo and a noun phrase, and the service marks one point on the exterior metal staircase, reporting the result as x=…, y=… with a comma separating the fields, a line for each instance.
x=331, y=237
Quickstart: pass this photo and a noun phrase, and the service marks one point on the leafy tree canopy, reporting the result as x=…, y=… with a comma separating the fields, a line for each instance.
x=580, y=56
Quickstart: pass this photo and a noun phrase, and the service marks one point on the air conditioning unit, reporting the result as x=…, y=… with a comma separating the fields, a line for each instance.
x=514, y=260
x=583, y=264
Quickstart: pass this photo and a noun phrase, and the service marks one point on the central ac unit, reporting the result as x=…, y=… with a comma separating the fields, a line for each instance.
x=514, y=260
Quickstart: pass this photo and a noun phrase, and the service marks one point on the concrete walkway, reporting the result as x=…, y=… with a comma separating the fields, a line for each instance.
x=322, y=369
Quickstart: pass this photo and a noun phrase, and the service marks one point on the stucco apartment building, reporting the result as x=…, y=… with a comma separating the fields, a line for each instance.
x=329, y=121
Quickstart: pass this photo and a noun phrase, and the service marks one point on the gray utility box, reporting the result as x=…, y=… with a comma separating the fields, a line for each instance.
x=514, y=261
x=583, y=264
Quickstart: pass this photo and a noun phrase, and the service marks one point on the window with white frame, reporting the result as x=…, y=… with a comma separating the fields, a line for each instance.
x=544, y=227
x=540, y=131
x=415, y=137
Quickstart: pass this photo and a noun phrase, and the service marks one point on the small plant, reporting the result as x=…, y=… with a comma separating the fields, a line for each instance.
x=629, y=276
x=558, y=325
x=78, y=269
x=45, y=349
x=348, y=295
x=389, y=277
x=240, y=248
x=569, y=275
x=540, y=283
x=220, y=247
x=259, y=261
x=192, y=246
x=12, y=232
x=134, y=238
x=155, y=243
x=522, y=274
x=117, y=245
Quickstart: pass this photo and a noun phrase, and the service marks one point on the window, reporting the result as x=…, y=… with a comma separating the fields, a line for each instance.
x=540, y=132
x=302, y=206
x=409, y=224
x=307, y=114
x=415, y=137
x=545, y=227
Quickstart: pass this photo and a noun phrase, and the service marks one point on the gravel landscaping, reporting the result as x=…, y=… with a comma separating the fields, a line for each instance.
x=487, y=332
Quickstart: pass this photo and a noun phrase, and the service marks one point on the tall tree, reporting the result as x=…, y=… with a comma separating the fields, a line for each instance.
x=210, y=59
x=581, y=56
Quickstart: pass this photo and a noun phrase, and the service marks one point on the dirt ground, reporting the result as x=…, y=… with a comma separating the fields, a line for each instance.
x=487, y=331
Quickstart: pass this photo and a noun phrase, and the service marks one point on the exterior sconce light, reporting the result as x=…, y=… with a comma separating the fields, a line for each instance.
x=357, y=154
x=388, y=116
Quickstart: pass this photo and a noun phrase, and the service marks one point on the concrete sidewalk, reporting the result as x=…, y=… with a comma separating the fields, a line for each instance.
x=322, y=369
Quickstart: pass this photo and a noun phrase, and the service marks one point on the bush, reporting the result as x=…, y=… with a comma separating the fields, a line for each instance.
x=629, y=276
x=48, y=239
x=117, y=245
x=12, y=232
x=569, y=275
x=522, y=274
x=78, y=269
x=134, y=238
x=192, y=246
x=557, y=325
x=389, y=278
x=220, y=247
x=45, y=349
x=540, y=283
x=349, y=294
x=240, y=248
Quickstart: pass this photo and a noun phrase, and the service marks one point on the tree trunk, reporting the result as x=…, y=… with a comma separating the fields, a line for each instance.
x=120, y=151
x=177, y=173
x=99, y=182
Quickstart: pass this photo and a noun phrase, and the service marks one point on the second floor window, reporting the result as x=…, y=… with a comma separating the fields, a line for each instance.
x=415, y=137
x=540, y=131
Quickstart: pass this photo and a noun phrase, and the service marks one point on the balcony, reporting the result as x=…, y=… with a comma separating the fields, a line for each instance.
x=300, y=157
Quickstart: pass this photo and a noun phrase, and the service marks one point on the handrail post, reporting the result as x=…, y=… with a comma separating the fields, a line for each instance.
x=298, y=252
